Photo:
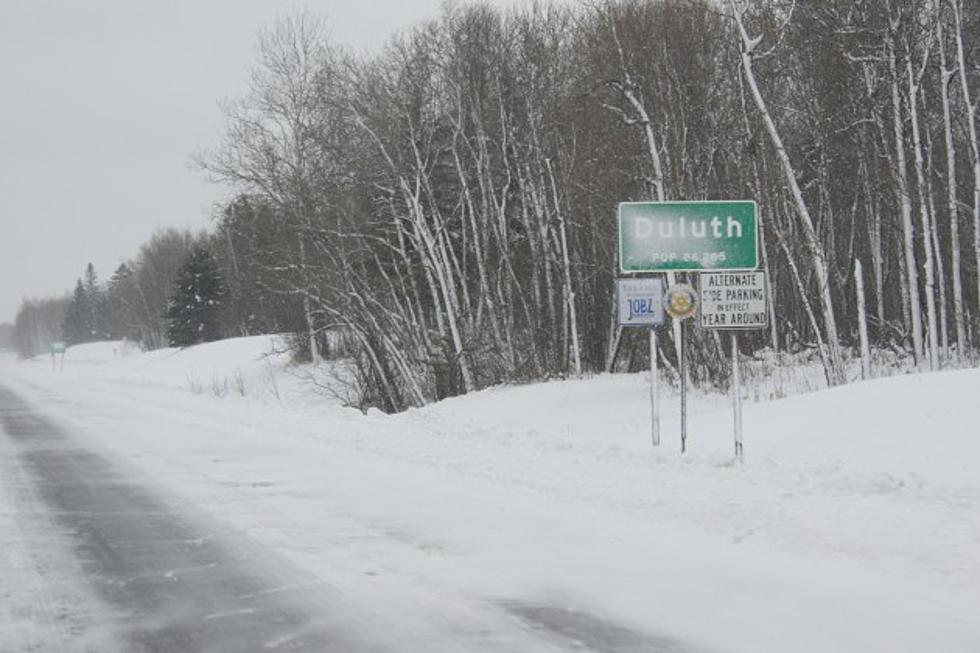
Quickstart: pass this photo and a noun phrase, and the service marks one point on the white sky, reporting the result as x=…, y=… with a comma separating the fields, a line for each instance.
x=102, y=104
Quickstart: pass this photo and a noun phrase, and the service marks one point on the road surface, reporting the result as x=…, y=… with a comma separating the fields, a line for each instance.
x=162, y=581
x=96, y=559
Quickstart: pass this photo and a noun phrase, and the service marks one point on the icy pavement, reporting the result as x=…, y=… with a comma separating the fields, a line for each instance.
x=112, y=567
x=161, y=583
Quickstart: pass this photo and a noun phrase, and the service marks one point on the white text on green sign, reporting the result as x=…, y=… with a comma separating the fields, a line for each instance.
x=687, y=236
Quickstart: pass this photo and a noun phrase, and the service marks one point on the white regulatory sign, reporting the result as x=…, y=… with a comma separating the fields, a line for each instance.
x=641, y=302
x=733, y=300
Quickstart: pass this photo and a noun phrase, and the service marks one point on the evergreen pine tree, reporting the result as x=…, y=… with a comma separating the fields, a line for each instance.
x=119, y=318
x=91, y=279
x=77, y=326
x=194, y=312
x=97, y=314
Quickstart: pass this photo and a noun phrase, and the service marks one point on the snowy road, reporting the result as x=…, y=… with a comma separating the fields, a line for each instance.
x=166, y=584
x=108, y=565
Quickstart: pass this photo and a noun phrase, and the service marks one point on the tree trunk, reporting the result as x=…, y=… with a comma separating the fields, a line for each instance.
x=928, y=265
x=567, y=269
x=835, y=373
x=905, y=204
x=951, y=200
x=862, y=321
x=971, y=116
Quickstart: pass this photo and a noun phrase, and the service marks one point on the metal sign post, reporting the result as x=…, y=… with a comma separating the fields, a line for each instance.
x=58, y=349
x=640, y=303
x=682, y=303
x=737, y=397
x=654, y=390
x=683, y=366
x=735, y=301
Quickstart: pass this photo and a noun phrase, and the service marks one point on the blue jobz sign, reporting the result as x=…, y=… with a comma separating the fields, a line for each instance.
x=641, y=302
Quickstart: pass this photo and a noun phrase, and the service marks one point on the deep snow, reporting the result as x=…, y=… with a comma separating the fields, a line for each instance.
x=854, y=523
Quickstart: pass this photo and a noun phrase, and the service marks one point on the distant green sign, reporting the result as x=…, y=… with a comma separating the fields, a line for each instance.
x=58, y=347
x=688, y=236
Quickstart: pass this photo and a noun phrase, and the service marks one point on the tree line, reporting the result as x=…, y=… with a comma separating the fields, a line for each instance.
x=171, y=293
x=448, y=203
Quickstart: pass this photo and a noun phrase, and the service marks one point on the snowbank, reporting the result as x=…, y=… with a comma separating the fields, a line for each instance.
x=256, y=367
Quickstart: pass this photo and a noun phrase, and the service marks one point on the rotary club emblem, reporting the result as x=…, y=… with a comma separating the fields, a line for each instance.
x=682, y=302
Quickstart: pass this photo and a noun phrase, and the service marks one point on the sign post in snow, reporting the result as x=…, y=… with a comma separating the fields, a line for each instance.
x=58, y=349
x=736, y=301
x=682, y=303
x=641, y=304
x=687, y=236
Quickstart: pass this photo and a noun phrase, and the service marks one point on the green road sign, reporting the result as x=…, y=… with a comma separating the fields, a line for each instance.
x=687, y=236
x=58, y=347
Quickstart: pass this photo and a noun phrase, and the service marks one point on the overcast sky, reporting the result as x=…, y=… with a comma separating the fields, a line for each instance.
x=102, y=104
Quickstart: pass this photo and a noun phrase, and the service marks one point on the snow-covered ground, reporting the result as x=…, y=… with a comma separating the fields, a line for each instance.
x=853, y=525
